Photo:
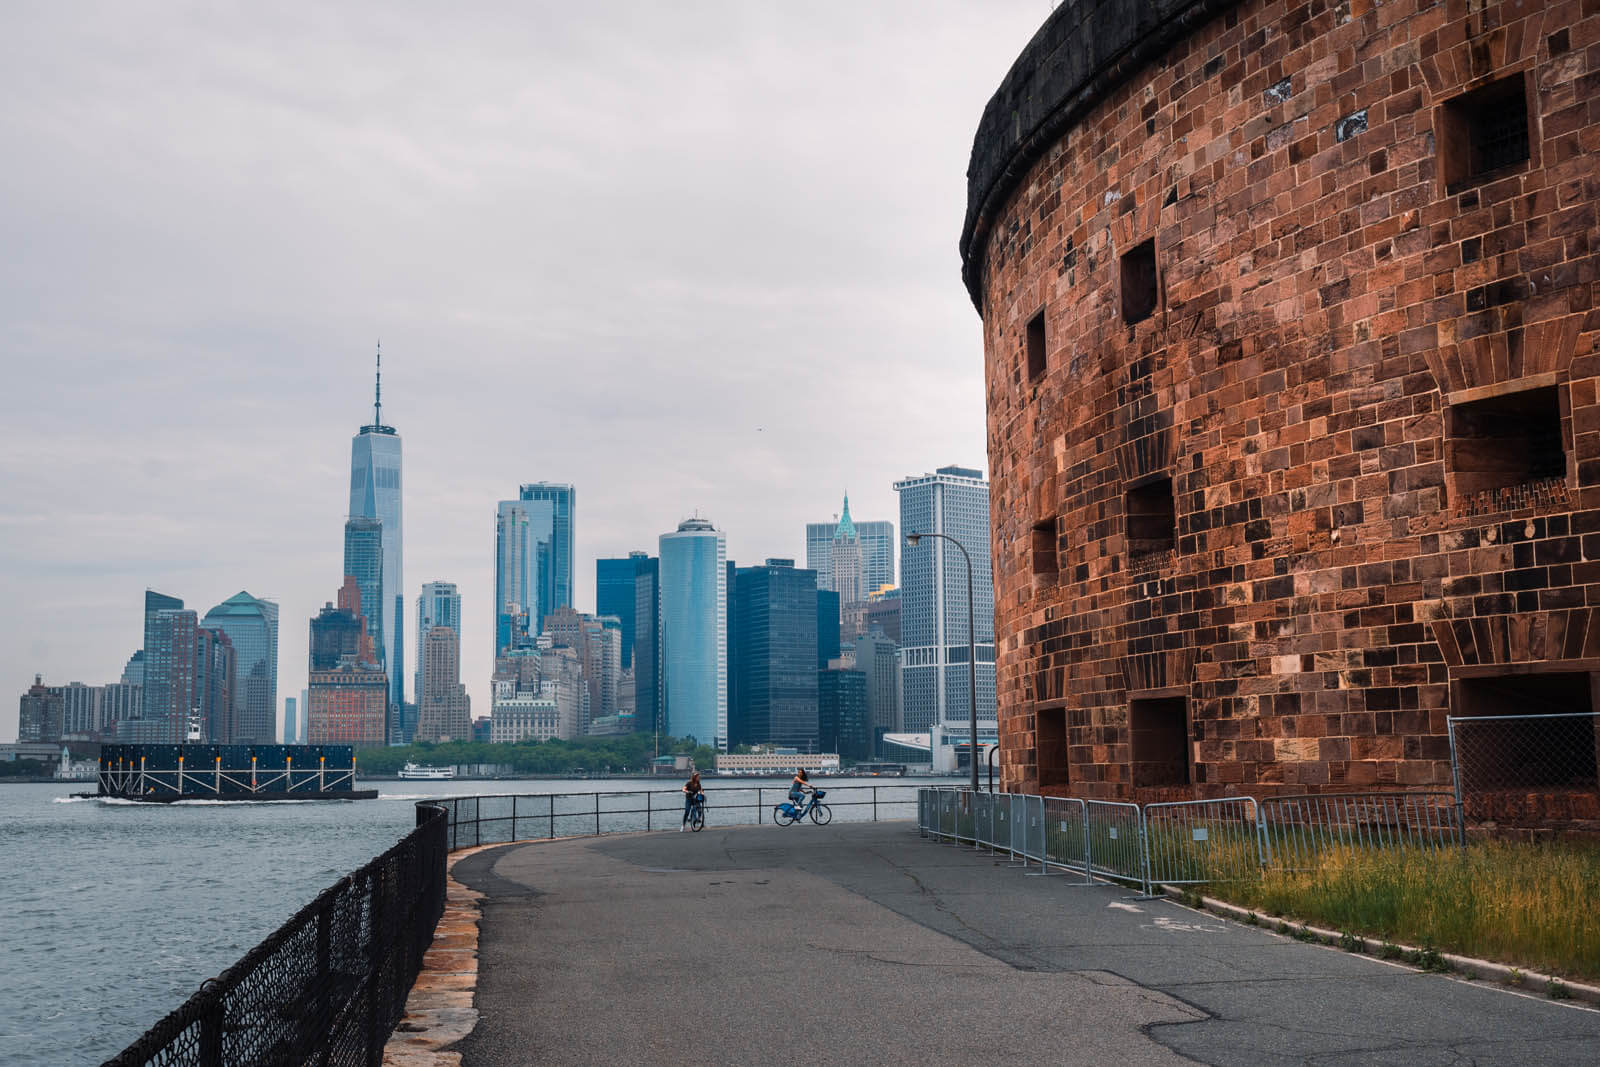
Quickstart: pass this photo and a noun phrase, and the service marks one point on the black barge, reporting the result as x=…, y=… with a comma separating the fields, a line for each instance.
x=163, y=774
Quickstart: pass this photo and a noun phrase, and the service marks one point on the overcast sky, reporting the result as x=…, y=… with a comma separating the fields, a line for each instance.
x=690, y=257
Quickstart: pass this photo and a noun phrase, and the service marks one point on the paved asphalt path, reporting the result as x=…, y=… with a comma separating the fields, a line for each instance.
x=864, y=943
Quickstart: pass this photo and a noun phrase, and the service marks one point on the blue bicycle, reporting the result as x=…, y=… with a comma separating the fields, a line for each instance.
x=787, y=814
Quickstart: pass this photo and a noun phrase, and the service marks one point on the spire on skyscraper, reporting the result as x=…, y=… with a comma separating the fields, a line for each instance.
x=847, y=529
x=377, y=391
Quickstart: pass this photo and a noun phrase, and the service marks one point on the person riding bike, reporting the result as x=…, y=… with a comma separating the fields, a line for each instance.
x=799, y=787
x=692, y=794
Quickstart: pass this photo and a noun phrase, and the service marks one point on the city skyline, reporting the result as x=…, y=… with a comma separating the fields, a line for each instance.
x=673, y=356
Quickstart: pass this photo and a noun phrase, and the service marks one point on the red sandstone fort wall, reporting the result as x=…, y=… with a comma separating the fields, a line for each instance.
x=1341, y=308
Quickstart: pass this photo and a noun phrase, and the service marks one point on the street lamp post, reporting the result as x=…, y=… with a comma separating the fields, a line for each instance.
x=972, y=656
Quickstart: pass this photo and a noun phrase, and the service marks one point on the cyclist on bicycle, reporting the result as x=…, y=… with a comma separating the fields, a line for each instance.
x=799, y=787
x=692, y=794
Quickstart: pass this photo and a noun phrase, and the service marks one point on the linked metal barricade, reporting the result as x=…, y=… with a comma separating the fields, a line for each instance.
x=1066, y=834
x=1297, y=832
x=1115, y=842
x=1194, y=841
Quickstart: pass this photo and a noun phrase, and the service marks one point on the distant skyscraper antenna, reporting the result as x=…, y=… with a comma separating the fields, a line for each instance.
x=377, y=391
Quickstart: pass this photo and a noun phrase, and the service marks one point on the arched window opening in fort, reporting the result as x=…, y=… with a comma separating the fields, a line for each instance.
x=1520, y=752
x=1044, y=549
x=1483, y=132
x=1139, y=282
x=1159, y=736
x=1152, y=517
x=1050, y=747
x=1504, y=441
x=1036, y=357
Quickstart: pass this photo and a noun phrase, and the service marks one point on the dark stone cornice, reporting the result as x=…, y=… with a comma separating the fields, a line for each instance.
x=1083, y=52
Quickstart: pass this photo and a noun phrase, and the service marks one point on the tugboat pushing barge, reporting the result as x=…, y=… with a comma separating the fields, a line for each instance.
x=163, y=774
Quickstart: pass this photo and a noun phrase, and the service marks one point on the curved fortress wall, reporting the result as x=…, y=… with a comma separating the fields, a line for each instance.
x=1290, y=343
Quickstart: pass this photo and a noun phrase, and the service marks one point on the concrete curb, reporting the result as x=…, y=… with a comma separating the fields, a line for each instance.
x=1526, y=982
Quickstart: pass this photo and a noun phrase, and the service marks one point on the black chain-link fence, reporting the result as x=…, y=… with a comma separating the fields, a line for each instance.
x=329, y=985
x=1527, y=770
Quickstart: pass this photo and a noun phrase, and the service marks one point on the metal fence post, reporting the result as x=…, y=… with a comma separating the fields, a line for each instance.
x=1455, y=778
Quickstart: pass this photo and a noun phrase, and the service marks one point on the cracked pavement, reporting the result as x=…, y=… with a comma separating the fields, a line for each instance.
x=863, y=943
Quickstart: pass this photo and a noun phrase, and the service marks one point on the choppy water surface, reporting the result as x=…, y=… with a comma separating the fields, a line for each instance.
x=117, y=911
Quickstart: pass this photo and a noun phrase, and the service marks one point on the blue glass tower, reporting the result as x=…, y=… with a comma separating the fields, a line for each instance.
x=252, y=628
x=614, y=595
x=694, y=633
x=563, y=502
x=375, y=494
x=774, y=656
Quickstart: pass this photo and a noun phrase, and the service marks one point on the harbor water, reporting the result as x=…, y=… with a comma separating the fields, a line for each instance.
x=119, y=910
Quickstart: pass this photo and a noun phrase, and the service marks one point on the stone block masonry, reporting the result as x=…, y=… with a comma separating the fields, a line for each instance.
x=1290, y=348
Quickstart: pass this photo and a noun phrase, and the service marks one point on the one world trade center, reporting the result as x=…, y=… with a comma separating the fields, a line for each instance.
x=375, y=494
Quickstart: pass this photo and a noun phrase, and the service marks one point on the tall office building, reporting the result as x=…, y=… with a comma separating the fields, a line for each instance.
x=375, y=494
x=614, y=595
x=439, y=605
x=827, y=626
x=877, y=545
x=40, y=715
x=878, y=659
x=694, y=633
x=842, y=713
x=523, y=531
x=170, y=644
x=216, y=714
x=563, y=501
x=443, y=711
x=774, y=661
x=647, y=644
x=338, y=632
x=363, y=561
x=252, y=627
x=933, y=603
x=291, y=723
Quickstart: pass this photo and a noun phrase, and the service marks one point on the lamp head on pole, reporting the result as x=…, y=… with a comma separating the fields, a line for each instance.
x=912, y=539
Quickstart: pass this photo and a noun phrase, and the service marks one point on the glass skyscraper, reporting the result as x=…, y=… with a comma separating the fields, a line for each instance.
x=774, y=698
x=694, y=633
x=523, y=530
x=375, y=494
x=252, y=628
x=614, y=595
x=647, y=643
x=363, y=561
x=933, y=601
x=563, y=500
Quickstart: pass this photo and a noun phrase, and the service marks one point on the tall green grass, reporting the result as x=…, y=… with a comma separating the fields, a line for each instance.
x=1533, y=906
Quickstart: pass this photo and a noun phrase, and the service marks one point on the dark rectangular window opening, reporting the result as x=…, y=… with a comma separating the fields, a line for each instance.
x=1036, y=358
x=1535, y=753
x=1484, y=131
x=1159, y=738
x=1505, y=441
x=1152, y=518
x=1044, y=549
x=1050, y=744
x=1139, y=282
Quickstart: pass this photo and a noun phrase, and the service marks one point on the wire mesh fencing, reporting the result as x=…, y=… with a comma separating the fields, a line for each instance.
x=330, y=984
x=1526, y=770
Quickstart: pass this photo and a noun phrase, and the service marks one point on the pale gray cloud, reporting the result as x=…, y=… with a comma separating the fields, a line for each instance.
x=686, y=256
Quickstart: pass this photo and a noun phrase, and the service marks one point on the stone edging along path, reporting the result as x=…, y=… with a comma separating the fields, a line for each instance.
x=1464, y=967
x=439, y=1010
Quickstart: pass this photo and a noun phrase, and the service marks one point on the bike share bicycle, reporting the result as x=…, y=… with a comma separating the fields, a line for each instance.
x=697, y=814
x=787, y=814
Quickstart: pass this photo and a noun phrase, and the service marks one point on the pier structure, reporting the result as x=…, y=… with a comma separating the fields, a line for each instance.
x=1294, y=400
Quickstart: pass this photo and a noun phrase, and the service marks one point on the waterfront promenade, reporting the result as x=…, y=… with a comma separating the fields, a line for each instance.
x=864, y=943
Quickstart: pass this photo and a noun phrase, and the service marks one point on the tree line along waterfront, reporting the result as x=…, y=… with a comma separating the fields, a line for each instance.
x=622, y=754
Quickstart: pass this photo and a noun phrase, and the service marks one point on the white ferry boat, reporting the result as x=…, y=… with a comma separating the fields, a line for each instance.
x=416, y=770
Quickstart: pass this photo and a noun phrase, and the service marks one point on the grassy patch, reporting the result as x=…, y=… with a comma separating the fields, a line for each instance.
x=1527, y=904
